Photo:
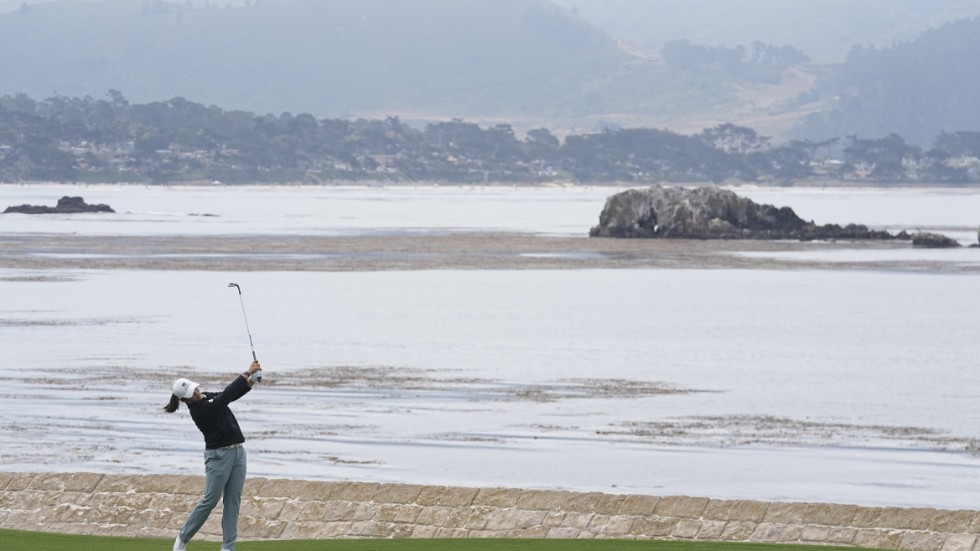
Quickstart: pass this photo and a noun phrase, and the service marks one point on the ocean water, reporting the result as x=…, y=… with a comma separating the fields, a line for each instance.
x=830, y=385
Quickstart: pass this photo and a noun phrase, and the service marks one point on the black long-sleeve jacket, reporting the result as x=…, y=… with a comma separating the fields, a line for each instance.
x=214, y=418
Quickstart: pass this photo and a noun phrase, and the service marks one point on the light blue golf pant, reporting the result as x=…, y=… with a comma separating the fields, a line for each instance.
x=225, y=475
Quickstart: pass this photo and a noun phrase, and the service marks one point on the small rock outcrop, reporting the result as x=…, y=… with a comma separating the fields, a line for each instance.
x=66, y=205
x=933, y=241
x=712, y=213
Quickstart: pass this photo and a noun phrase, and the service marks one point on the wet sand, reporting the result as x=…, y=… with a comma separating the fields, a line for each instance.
x=441, y=250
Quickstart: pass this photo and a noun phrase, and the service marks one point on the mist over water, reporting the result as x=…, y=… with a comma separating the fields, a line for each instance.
x=833, y=385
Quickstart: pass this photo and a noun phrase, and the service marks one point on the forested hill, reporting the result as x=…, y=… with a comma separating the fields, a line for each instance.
x=338, y=58
x=916, y=89
x=113, y=140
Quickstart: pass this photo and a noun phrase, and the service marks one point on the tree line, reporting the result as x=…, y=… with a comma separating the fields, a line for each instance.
x=112, y=140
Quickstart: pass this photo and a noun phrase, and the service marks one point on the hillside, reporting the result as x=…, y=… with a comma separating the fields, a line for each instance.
x=826, y=30
x=529, y=63
x=342, y=58
x=915, y=89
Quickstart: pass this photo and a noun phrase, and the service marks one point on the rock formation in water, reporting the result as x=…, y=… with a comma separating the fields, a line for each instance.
x=933, y=241
x=712, y=213
x=66, y=205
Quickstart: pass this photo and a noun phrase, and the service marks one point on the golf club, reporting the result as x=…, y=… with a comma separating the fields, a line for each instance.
x=258, y=374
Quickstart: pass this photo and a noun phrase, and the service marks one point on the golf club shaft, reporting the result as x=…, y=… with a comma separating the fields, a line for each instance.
x=244, y=315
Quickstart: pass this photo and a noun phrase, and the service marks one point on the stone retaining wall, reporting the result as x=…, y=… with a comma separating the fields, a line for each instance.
x=157, y=505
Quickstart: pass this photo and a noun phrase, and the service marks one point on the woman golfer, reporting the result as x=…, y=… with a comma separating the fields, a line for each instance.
x=224, y=456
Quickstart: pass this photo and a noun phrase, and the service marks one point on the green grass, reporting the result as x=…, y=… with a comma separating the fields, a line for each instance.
x=16, y=540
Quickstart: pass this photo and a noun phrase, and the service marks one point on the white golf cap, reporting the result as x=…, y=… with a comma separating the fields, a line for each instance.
x=184, y=388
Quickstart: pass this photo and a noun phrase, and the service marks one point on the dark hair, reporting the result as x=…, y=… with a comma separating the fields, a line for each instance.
x=173, y=404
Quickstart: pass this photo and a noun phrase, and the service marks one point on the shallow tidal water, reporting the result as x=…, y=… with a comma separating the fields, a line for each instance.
x=822, y=383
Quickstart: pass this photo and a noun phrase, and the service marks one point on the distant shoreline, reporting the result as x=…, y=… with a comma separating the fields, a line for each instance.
x=364, y=184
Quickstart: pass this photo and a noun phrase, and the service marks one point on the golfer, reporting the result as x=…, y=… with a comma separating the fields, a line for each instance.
x=224, y=456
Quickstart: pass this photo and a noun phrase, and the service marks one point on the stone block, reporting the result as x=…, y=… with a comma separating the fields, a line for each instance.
x=960, y=542
x=328, y=511
x=172, y=503
x=654, y=527
x=456, y=519
x=841, y=535
x=19, y=481
x=749, y=510
x=137, y=501
x=5, y=479
x=397, y=493
x=451, y=533
x=402, y=531
x=316, y=490
x=514, y=519
x=433, y=516
x=906, y=519
x=478, y=518
x=711, y=529
x=738, y=530
x=815, y=533
x=953, y=521
x=170, y=484
x=609, y=504
x=785, y=513
x=974, y=525
x=301, y=530
x=767, y=532
x=76, y=498
x=262, y=507
x=331, y=530
x=497, y=497
x=408, y=514
x=718, y=509
x=866, y=517
x=291, y=509
x=372, y=529
x=120, y=484
x=457, y=497
x=638, y=505
x=146, y=519
x=253, y=486
x=791, y=533
x=582, y=502
x=427, y=532
x=553, y=518
x=430, y=495
x=828, y=514
x=619, y=525
x=564, y=533
x=534, y=532
x=879, y=539
x=687, y=529
x=62, y=482
x=542, y=500
x=598, y=524
x=366, y=512
x=283, y=487
x=922, y=541
x=681, y=507
x=578, y=520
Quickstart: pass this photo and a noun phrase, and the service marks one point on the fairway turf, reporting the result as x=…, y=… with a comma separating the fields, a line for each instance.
x=16, y=540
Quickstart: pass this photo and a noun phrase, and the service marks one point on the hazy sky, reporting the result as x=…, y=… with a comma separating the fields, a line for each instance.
x=824, y=29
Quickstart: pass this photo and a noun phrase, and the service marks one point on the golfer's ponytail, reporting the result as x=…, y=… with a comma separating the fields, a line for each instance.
x=172, y=405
